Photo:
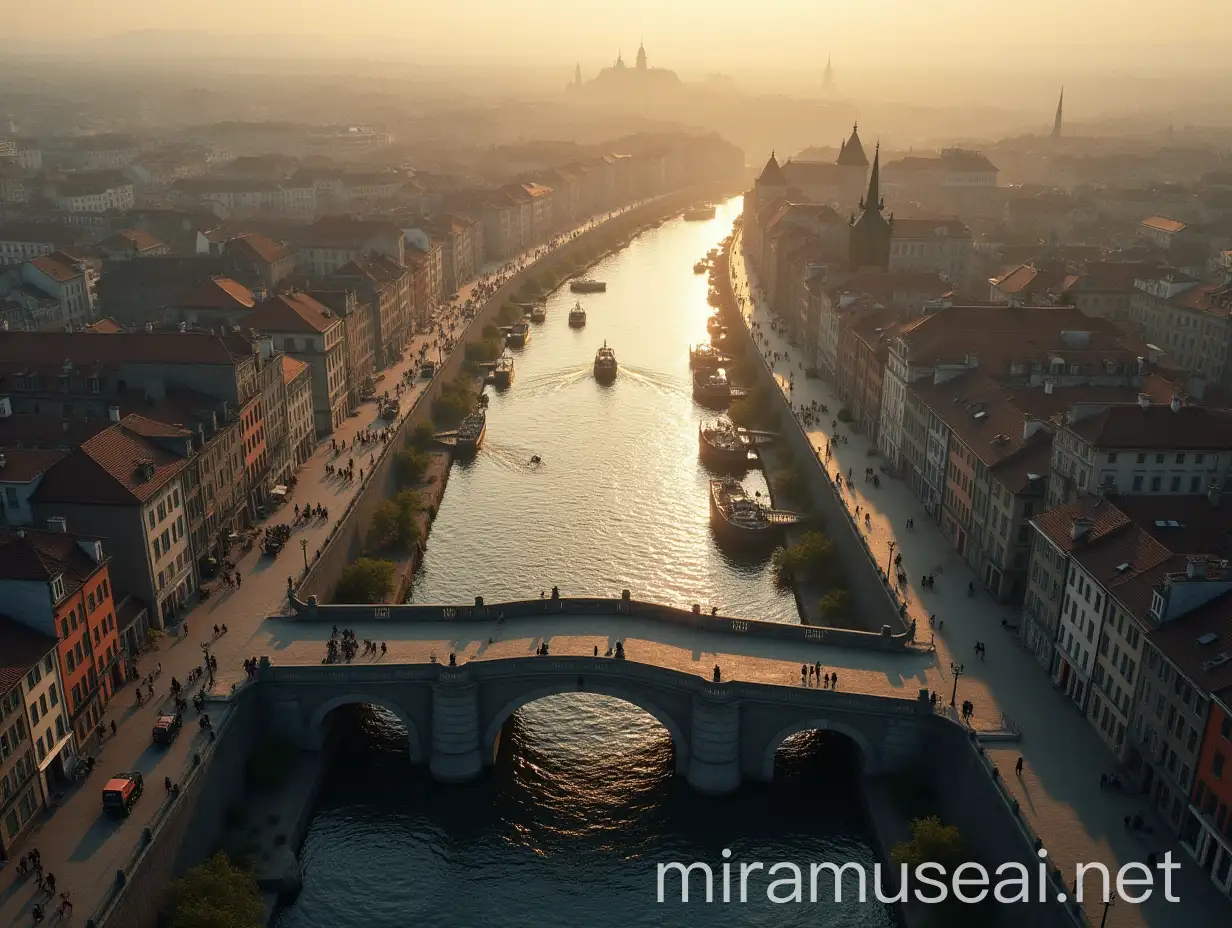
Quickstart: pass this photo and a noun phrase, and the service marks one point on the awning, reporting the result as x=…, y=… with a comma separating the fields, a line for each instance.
x=279, y=490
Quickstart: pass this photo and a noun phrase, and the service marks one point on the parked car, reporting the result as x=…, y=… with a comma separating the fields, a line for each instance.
x=166, y=728
x=121, y=792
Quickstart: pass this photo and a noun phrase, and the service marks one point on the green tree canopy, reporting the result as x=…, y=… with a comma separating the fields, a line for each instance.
x=410, y=466
x=393, y=522
x=216, y=894
x=422, y=436
x=368, y=580
x=814, y=555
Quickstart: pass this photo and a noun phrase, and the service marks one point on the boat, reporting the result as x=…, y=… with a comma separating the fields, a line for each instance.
x=721, y=445
x=714, y=324
x=502, y=373
x=718, y=335
x=711, y=387
x=519, y=332
x=705, y=357
x=737, y=517
x=471, y=431
x=577, y=316
x=605, y=364
x=700, y=267
x=587, y=285
x=539, y=312
x=699, y=213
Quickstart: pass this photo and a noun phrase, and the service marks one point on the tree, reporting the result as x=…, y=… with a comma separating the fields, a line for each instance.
x=368, y=580
x=932, y=841
x=410, y=466
x=393, y=522
x=835, y=606
x=422, y=436
x=216, y=894
x=814, y=555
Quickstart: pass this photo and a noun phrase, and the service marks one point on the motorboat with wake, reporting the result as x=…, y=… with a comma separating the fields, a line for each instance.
x=605, y=364
x=539, y=312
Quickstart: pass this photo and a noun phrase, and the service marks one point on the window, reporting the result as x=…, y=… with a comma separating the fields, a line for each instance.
x=1217, y=765
x=1141, y=458
x=1180, y=458
x=1176, y=484
x=1137, y=482
x=1159, y=459
x=1156, y=484
x=1112, y=457
x=1194, y=483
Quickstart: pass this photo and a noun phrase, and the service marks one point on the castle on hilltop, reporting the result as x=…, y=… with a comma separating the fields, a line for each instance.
x=620, y=79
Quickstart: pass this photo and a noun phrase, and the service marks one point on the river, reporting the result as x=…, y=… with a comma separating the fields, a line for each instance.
x=568, y=827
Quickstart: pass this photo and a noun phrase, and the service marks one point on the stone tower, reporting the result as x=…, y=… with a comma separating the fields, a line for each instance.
x=869, y=244
x=641, y=56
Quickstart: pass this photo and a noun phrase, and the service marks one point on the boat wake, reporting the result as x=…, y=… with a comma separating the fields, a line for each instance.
x=513, y=458
x=553, y=381
x=658, y=380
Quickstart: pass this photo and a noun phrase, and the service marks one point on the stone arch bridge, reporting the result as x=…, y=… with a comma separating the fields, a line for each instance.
x=723, y=733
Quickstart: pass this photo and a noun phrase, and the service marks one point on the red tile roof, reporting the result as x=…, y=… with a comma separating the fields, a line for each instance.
x=1193, y=643
x=59, y=266
x=217, y=293
x=1056, y=524
x=1157, y=427
x=20, y=649
x=260, y=246
x=21, y=465
x=294, y=311
x=106, y=326
x=291, y=368
x=129, y=238
x=108, y=469
x=47, y=351
x=1164, y=224
x=41, y=555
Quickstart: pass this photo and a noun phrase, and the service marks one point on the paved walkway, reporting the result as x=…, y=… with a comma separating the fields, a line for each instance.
x=78, y=844
x=1059, y=790
x=690, y=650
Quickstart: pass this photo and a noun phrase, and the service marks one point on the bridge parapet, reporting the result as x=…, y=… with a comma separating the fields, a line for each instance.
x=344, y=614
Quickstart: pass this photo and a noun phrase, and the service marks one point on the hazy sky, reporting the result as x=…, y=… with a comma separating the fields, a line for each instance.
x=729, y=35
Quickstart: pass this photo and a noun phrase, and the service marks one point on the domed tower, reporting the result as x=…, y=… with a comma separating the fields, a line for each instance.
x=854, y=164
x=641, y=56
x=620, y=61
x=869, y=242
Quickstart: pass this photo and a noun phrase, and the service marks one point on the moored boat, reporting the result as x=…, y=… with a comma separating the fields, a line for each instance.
x=502, y=373
x=711, y=387
x=519, y=332
x=737, y=517
x=587, y=285
x=577, y=316
x=471, y=431
x=720, y=444
x=539, y=312
x=697, y=214
x=605, y=364
x=706, y=357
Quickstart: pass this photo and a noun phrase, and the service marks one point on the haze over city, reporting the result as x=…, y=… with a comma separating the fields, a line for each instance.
x=512, y=463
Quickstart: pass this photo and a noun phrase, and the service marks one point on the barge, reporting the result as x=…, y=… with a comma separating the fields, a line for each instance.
x=587, y=285
x=738, y=518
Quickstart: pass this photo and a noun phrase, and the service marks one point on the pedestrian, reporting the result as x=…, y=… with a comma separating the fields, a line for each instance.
x=113, y=727
x=1018, y=766
x=237, y=580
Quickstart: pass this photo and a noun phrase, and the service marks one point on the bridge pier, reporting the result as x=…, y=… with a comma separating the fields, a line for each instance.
x=456, y=756
x=714, y=744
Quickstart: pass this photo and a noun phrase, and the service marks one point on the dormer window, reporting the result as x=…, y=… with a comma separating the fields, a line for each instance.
x=57, y=587
x=1157, y=605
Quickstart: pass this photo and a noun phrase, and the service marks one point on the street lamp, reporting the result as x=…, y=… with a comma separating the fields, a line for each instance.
x=957, y=670
x=303, y=544
x=890, y=558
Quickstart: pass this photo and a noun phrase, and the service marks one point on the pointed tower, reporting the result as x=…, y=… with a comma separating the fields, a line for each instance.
x=1056, y=122
x=869, y=242
x=577, y=75
x=620, y=60
x=641, y=56
x=827, y=82
x=853, y=164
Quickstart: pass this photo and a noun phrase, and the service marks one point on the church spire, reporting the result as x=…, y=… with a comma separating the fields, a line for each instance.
x=1056, y=123
x=827, y=82
x=873, y=199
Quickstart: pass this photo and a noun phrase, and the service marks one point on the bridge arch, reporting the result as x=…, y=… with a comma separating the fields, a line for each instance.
x=677, y=731
x=868, y=757
x=317, y=726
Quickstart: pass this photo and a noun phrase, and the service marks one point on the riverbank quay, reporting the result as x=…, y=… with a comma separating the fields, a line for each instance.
x=1058, y=790
x=346, y=539
x=874, y=601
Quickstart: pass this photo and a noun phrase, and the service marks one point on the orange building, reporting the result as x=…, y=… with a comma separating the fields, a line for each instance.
x=1209, y=833
x=252, y=433
x=59, y=584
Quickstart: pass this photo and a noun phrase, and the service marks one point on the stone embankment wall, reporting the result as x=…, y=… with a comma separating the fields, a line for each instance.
x=185, y=830
x=344, y=615
x=346, y=542
x=872, y=599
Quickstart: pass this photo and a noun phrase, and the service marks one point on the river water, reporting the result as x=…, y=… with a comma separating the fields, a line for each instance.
x=568, y=827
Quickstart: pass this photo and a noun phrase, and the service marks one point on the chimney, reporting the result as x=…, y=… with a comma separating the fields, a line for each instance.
x=1175, y=405
x=1080, y=529
x=1049, y=385
x=57, y=524
x=1214, y=494
x=1144, y=400
x=1030, y=425
x=1196, y=386
x=1195, y=567
x=113, y=413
